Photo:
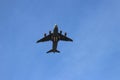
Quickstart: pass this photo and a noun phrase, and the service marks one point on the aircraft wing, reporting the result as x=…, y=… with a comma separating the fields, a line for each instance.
x=64, y=38
x=46, y=38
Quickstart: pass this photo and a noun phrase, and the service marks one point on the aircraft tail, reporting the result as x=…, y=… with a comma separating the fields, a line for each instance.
x=53, y=51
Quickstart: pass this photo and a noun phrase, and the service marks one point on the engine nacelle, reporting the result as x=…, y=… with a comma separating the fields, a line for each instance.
x=45, y=35
x=49, y=32
x=60, y=32
x=65, y=34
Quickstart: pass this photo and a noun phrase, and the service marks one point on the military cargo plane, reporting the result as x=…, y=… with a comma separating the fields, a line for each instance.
x=54, y=36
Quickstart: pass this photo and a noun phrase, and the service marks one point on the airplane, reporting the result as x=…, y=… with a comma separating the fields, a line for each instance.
x=55, y=37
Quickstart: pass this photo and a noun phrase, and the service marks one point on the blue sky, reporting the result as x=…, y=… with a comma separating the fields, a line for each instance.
x=94, y=25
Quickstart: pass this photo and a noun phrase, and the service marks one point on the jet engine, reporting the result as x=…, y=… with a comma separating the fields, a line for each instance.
x=60, y=32
x=49, y=32
x=45, y=35
x=65, y=33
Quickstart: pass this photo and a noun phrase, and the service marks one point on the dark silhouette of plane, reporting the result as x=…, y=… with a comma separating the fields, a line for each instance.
x=54, y=37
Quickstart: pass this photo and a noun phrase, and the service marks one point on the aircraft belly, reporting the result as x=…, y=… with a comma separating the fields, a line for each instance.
x=54, y=39
x=55, y=45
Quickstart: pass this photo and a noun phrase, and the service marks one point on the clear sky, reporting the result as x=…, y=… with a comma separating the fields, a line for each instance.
x=94, y=26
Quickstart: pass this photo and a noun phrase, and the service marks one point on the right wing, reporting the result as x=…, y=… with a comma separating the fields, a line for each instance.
x=46, y=38
x=64, y=38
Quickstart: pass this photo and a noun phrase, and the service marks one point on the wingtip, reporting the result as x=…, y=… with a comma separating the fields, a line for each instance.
x=71, y=40
x=37, y=41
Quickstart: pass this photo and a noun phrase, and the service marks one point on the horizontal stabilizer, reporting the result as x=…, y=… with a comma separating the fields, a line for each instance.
x=53, y=51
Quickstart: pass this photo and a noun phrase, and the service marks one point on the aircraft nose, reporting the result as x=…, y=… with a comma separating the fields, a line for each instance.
x=56, y=26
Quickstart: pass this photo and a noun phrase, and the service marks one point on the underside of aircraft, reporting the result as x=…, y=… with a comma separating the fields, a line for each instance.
x=55, y=37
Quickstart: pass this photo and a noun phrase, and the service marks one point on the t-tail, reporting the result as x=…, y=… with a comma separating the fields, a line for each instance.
x=52, y=50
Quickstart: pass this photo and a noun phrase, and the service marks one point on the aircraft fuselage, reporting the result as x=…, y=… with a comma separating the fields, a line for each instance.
x=55, y=38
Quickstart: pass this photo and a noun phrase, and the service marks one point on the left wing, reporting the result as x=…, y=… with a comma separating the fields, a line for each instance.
x=46, y=38
x=64, y=38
